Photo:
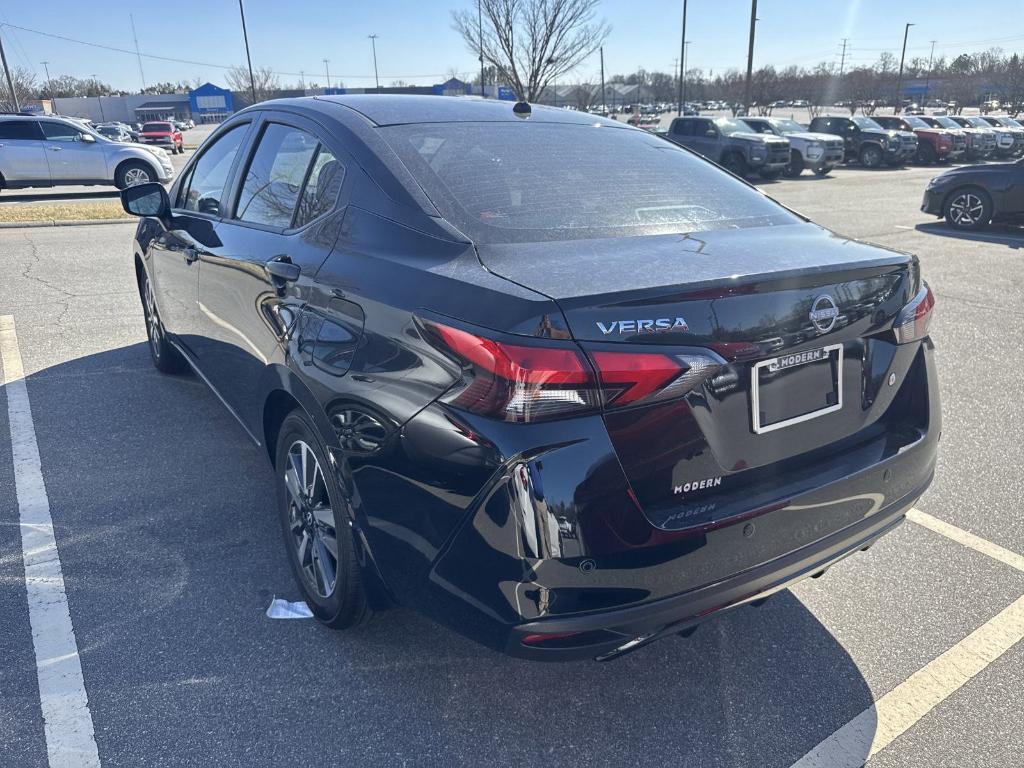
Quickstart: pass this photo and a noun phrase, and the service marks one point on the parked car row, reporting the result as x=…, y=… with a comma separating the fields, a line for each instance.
x=770, y=146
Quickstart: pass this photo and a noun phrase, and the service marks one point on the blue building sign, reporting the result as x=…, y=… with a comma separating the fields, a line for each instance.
x=210, y=102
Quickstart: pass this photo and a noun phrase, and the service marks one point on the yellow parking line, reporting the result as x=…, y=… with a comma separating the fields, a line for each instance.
x=960, y=536
x=897, y=711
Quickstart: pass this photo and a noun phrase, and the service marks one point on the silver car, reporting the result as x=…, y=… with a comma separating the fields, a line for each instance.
x=54, y=151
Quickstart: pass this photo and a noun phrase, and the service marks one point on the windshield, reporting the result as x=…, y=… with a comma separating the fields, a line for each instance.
x=916, y=122
x=978, y=122
x=526, y=182
x=156, y=127
x=946, y=122
x=758, y=126
x=867, y=123
x=1009, y=122
x=731, y=125
x=788, y=126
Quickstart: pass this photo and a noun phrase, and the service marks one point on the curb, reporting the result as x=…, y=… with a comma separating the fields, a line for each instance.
x=61, y=223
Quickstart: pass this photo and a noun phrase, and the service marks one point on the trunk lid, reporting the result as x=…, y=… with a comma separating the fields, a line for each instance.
x=751, y=296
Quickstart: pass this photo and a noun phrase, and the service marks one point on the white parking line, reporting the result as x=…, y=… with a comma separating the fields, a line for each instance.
x=897, y=711
x=67, y=722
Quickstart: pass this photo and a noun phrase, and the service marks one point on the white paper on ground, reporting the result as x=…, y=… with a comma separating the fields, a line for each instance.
x=282, y=609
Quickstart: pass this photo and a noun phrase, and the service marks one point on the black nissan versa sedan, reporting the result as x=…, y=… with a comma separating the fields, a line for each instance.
x=972, y=196
x=563, y=411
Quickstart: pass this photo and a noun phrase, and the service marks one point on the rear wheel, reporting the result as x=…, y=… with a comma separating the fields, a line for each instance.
x=316, y=528
x=824, y=171
x=166, y=358
x=871, y=156
x=968, y=208
x=795, y=166
x=926, y=153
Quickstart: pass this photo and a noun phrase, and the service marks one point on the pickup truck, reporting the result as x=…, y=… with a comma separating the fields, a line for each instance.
x=732, y=144
x=821, y=152
x=163, y=133
x=868, y=142
x=934, y=145
x=981, y=142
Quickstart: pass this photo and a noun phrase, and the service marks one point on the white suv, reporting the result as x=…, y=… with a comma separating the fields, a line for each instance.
x=53, y=151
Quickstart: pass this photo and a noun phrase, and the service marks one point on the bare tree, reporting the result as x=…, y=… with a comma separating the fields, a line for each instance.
x=532, y=42
x=24, y=85
x=265, y=82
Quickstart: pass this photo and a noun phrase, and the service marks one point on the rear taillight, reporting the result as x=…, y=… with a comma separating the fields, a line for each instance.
x=914, y=319
x=543, y=380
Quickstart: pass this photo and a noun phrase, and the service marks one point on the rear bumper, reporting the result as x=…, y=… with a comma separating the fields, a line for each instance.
x=643, y=624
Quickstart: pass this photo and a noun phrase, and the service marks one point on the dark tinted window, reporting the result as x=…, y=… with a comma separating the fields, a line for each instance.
x=203, y=188
x=508, y=182
x=682, y=127
x=322, y=187
x=55, y=131
x=19, y=129
x=274, y=179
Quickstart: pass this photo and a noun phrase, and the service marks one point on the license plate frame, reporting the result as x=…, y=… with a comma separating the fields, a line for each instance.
x=755, y=389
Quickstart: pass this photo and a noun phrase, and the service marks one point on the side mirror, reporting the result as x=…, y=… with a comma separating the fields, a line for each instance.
x=710, y=133
x=88, y=138
x=146, y=200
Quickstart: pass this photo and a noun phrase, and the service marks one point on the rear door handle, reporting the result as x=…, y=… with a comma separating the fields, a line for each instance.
x=54, y=149
x=281, y=267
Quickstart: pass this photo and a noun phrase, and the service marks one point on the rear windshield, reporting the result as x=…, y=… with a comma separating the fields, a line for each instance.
x=156, y=127
x=523, y=182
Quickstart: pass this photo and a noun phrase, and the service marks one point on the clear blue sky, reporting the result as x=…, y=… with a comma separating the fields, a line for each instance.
x=417, y=43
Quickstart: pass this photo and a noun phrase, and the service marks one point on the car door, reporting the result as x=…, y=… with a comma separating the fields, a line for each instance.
x=70, y=157
x=286, y=191
x=22, y=158
x=173, y=256
x=702, y=142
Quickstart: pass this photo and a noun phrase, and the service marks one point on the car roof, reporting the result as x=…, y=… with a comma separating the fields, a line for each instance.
x=400, y=109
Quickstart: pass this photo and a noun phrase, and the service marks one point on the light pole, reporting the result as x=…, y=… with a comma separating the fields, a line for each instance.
x=248, y=58
x=682, y=70
x=480, y=21
x=327, y=69
x=928, y=79
x=49, y=82
x=899, y=78
x=750, y=57
x=7, y=72
x=373, y=42
x=604, y=107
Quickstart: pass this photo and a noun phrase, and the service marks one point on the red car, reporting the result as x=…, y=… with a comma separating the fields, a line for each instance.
x=934, y=145
x=164, y=134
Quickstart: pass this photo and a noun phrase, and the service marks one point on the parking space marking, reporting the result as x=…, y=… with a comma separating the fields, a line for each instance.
x=898, y=710
x=967, y=539
x=67, y=722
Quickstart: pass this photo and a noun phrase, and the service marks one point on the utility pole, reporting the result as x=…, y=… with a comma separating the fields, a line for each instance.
x=842, y=58
x=7, y=72
x=99, y=98
x=750, y=57
x=899, y=78
x=682, y=55
x=327, y=69
x=373, y=42
x=604, y=107
x=928, y=79
x=480, y=21
x=248, y=58
x=49, y=82
x=302, y=81
x=138, y=55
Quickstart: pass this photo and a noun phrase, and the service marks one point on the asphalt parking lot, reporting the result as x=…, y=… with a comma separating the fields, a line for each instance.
x=908, y=654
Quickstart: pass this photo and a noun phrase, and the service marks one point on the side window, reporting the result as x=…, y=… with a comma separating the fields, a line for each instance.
x=12, y=130
x=273, y=181
x=679, y=126
x=701, y=127
x=322, y=187
x=203, y=188
x=54, y=131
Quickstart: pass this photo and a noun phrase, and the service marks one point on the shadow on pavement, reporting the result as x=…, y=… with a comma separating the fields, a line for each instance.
x=1004, y=234
x=171, y=553
x=46, y=195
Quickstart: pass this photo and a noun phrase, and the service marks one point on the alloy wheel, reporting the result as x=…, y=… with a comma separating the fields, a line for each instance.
x=311, y=519
x=152, y=321
x=966, y=209
x=135, y=176
x=359, y=431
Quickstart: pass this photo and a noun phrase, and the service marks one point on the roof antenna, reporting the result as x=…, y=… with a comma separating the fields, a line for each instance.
x=522, y=109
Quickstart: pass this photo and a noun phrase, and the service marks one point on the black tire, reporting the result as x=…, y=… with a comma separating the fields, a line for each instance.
x=166, y=358
x=133, y=172
x=795, y=166
x=870, y=156
x=737, y=163
x=823, y=171
x=926, y=154
x=313, y=515
x=770, y=175
x=967, y=208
